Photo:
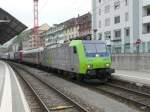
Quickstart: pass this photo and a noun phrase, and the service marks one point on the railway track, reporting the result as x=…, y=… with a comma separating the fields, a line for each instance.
x=133, y=95
x=137, y=98
x=33, y=101
x=49, y=97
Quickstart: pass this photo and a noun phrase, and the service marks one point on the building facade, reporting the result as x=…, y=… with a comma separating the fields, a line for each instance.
x=26, y=39
x=121, y=23
x=74, y=28
x=85, y=26
x=28, y=42
x=39, y=42
x=55, y=33
x=71, y=29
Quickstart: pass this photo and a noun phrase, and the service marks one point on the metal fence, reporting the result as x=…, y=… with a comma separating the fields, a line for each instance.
x=129, y=48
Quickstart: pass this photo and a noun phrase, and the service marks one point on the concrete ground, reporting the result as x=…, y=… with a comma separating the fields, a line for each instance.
x=11, y=95
x=142, y=78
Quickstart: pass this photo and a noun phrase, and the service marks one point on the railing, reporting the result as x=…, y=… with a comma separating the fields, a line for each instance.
x=129, y=49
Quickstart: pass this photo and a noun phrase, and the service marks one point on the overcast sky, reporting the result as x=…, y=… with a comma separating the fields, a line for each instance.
x=50, y=11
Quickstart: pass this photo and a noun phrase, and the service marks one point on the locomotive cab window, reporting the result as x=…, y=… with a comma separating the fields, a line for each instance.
x=74, y=50
x=95, y=49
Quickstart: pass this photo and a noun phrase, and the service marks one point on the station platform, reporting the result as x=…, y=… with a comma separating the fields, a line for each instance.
x=141, y=78
x=12, y=98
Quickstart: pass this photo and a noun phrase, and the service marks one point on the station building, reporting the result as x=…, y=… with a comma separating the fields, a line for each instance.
x=121, y=23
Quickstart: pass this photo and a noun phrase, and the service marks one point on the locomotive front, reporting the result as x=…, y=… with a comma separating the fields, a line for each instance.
x=97, y=60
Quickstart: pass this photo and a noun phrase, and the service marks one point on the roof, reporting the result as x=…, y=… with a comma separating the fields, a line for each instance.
x=33, y=50
x=93, y=42
x=9, y=26
x=3, y=49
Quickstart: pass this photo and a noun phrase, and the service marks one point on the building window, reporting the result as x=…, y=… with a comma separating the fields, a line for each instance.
x=117, y=50
x=117, y=19
x=107, y=22
x=99, y=11
x=117, y=33
x=126, y=2
x=127, y=32
x=143, y=47
x=116, y=5
x=107, y=35
x=107, y=9
x=148, y=47
x=99, y=24
x=127, y=48
x=99, y=1
x=126, y=16
x=148, y=11
x=100, y=36
x=148, y=28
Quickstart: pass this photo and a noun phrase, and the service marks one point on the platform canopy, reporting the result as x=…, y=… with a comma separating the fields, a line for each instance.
x=9, y=26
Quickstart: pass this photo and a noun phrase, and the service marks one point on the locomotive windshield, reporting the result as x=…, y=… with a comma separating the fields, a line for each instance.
x=93, y=49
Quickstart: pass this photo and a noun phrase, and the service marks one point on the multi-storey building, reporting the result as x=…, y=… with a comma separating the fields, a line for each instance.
x=84, y=23
x=145, y=24
x=74, y=28
x=121, y=23
x=48, y=36
x=40, y=41
x=27, y=40
x=54, y=34
x=71, y=29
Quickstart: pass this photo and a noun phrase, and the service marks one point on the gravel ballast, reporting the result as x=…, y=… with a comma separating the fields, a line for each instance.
x=95, y=102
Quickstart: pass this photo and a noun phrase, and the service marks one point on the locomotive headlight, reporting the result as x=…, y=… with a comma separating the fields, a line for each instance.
x=90, y=66
x=97, y=55
x=107, y=65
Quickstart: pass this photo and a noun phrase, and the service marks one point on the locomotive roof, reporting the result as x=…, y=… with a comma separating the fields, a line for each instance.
x=55, y=45
x=93, y=41
x=33, y=50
